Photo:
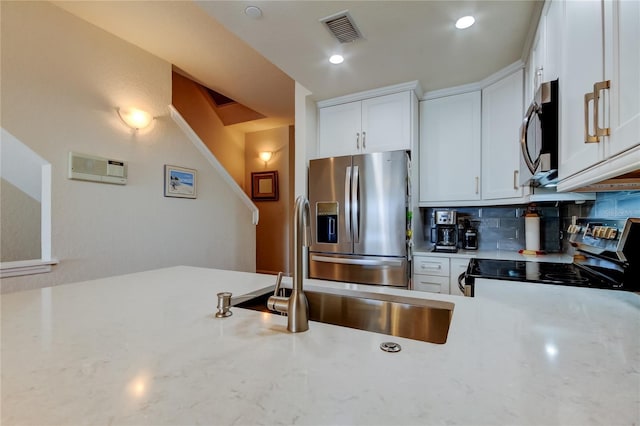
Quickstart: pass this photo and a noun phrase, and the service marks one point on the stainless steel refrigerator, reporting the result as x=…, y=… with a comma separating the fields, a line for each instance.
x=359, y=218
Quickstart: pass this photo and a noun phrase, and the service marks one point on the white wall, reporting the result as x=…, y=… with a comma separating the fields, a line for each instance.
x=62, y=79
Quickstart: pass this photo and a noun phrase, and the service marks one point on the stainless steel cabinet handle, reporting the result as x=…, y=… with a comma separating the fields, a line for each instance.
x=357, y=140
x=477, y=184
x=515, y=179
x=435, y=266
x=364, y=140
x=588, y=137
x=597, y=88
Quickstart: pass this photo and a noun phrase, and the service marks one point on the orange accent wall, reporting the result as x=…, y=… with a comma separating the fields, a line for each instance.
x=273, y=232
x=226, y=144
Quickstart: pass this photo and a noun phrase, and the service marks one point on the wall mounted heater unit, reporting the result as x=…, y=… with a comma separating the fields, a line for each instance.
x=97, y=169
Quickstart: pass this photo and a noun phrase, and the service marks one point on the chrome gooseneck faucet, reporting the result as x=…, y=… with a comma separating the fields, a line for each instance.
x=296, y=306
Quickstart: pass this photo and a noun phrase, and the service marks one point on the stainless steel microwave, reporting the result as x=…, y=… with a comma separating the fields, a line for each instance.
x=539, y=138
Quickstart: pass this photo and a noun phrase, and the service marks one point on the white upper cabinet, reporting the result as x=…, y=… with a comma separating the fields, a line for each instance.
x=622, y=68
x=376, y=124
x=534, y=74
x=501, y=118
x=582, y=67
x=600, y=48
x=450, y=148
x=339, y=128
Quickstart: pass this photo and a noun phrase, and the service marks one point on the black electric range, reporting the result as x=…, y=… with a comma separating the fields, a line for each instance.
x=607, y=255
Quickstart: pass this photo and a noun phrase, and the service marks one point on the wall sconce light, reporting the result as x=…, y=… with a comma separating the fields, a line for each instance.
x=265, y=156
x=135, y=118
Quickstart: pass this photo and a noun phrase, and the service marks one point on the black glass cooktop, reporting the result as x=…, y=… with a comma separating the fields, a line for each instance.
x=536, y=272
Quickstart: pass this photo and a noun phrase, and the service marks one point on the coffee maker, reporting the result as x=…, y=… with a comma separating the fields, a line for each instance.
x=444, y=234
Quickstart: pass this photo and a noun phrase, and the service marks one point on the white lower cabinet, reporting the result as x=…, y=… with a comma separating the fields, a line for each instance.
x=438, y=274
x=431, y=274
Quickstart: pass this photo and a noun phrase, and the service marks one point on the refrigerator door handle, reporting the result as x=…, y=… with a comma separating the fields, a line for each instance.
x=347, y=202
x=355, y=182
x=366, y=262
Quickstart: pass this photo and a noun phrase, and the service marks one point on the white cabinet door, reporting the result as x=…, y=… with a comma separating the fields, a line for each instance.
x=450, y=148
x=457, y=267
x=339, y=130
x=431, y=265
x=386, y=123
x=622, y=67
x=535, y=63
x=582, y=67
x=431, y=283
x=553, y=41
x=501, y=118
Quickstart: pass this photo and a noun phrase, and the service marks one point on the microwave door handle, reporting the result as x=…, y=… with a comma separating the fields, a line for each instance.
x=355, y=182
x=347, y=202
x=524, y=128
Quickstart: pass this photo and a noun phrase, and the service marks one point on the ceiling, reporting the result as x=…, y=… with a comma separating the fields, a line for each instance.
x=256, y=61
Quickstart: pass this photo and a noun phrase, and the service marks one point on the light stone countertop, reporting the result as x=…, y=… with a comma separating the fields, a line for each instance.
x=426, y=250
x=145, y=349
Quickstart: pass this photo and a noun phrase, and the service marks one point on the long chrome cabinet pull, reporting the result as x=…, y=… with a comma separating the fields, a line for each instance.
x=347, y=202
x=515, y=179
x=477, y=184
x=364, y=140
x=597, y=88
x=357, y=140
x=355, y=182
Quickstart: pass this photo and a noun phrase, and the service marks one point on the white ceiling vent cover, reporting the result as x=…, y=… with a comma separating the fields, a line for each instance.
x=342, y=26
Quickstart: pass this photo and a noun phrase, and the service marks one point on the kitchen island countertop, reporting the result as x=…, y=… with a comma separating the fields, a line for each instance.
x=145, y=348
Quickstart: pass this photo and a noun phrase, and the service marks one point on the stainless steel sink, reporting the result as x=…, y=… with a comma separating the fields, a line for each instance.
x=418, y=319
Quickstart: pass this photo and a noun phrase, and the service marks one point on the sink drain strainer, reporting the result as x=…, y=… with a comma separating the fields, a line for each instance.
x=390, y=347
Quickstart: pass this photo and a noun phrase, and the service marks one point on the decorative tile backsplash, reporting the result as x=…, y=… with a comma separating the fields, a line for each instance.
x=502, y=227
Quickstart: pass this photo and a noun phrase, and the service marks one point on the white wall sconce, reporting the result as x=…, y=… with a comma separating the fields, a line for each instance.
x=135, y=118
x=265, y=156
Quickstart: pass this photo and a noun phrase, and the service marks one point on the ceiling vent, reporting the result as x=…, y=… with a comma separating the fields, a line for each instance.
x=342, y=26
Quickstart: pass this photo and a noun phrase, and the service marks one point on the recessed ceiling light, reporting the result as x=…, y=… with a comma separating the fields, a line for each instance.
x=465, y=22
x=253, y=12
x=336, y=59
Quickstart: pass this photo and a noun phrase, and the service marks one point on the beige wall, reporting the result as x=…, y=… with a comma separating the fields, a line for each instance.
x=62, y=79
x=272, y=233
x=19, y=224
x=226, y=144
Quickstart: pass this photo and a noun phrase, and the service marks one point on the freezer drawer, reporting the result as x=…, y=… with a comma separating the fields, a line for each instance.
x=392, y=271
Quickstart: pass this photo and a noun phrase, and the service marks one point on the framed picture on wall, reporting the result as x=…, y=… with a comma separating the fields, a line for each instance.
x=179, y=182
x=264, y=186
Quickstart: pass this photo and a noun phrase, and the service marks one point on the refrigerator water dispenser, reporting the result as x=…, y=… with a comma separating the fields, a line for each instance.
x=327, y=220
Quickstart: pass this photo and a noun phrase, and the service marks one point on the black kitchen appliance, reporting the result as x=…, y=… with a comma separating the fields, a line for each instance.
x=444, y=234
x=539, y=138
x=607, y=256
x=470, y=238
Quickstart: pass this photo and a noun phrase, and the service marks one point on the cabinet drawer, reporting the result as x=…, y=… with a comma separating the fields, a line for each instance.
x=431, y=283
x=431, y=266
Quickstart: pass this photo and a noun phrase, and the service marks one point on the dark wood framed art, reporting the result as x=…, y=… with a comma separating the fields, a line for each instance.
x=264, y=186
